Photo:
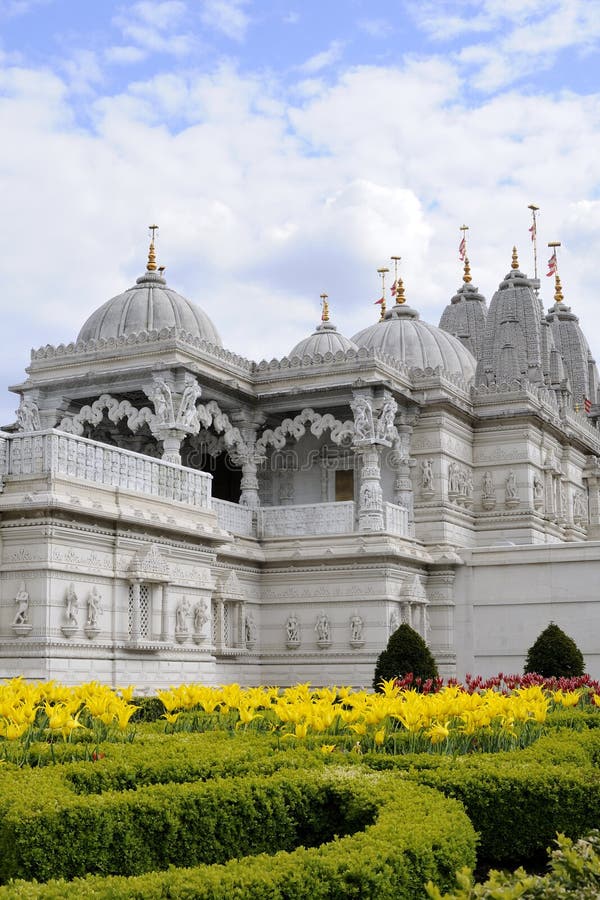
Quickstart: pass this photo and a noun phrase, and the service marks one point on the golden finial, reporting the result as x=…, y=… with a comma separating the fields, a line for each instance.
x=151, y=267
x=400, y=298
x=515, y=259
x=467, y=276
x=558, y=294
x=325, y=308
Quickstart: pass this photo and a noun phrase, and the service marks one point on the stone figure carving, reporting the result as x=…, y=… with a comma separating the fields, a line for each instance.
x=579, y=507
x=200, y=615
x=163, y=401
x=356, y=628
x=510, y=489
x=394, y=621
x=427, y=474
x=94, y=607
x=323, y=628
x=363, y=419
x=182, y=611
x=250, y=630
x=453, y=478
x=71, y=606
x=385, y=429
x=538, y=487
x=28, y=416
x=22, y=601
x=487, y=486
x=292, y=629
x=187, y=415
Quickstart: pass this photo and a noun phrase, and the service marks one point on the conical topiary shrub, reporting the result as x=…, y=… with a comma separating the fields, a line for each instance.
x=554, y=654
x=406, y=652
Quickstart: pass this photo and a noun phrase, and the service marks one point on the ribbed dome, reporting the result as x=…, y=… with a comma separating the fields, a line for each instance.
x=325, y=339
x=148, y=306
x=418, y=344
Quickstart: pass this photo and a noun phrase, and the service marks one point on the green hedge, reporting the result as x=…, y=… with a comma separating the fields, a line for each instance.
x=416, y=835
x=517, y=801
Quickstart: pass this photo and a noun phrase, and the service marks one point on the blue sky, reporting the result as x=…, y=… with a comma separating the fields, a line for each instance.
x=286, y=149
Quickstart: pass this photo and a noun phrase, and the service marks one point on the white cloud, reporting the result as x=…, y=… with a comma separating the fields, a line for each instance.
x=152, y=26
x=264, y=201
x=226, y=16
x=323, y=59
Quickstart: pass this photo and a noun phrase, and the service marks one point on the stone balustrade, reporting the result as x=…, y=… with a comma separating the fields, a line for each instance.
x=396, y=519
x=309, y=519
x=235, y=518
x=56, y=453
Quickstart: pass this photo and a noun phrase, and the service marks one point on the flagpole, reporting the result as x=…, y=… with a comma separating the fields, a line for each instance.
x=534, y=210
x=382, y=273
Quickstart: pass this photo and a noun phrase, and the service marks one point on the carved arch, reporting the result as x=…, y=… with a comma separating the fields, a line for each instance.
x=210, y=414
x=115, y=411
x=296, y=428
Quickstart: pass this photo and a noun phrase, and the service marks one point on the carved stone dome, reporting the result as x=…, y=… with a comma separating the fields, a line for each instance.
x=417, y=344
x=148, y=306
x=324, y=339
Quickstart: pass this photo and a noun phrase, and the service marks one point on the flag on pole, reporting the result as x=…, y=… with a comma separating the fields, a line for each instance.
x=587, y=404
x=462, y=249
x=381, y=300
x=552, y=265
x=533, y=231
x=393, y=289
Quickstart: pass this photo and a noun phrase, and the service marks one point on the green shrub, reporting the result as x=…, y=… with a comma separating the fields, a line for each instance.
x=406, y=652
x=574, y=875
x=403, y=835
x=554, y=654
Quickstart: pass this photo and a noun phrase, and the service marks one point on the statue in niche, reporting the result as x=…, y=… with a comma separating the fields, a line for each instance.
x=385, y=422
x=182, y=611
x=511, y=486
x=22, y=601
x=453, y=478
x=28, y=416
x=250, y=630
x=292, y=629
x=356, y=628
x=579, y=507
x=487, y=486
x=538, y=487
x=323, y=628
x=394, y=621
x=192, y=391
x=468, y=484
x=200, y=615
x=363, y=419
x=163, y=401
x=427, y=474
x=71, y=606
x=94, y=607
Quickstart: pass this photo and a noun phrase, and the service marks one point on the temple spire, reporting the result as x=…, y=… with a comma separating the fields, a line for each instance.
x=467, y=273
x=324, y=308
x=151, y=265
x=558, y=294
x=515, y=259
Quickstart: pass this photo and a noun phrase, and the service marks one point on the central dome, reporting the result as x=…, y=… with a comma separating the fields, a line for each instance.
x=148, y=306
x=417, y=344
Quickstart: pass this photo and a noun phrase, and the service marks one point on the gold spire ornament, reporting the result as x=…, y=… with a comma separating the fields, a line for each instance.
x=467, y=274
x=515, y=259
x=400, y=298
x=151, y=266
x=558, y=294
x=324, y=308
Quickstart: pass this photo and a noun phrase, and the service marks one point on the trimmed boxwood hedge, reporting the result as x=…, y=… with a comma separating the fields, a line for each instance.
x=398, y=837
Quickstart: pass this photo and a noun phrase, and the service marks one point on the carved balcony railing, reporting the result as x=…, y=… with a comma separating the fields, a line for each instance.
x=396, y=519
x=56, y=453
x=309, y=519
x=234, y=518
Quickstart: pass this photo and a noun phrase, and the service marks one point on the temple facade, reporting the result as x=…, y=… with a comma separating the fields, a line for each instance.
x=171, y=511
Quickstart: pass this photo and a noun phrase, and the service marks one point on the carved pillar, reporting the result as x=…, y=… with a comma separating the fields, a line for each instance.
x=591, y=474
x=248, y=424
x=402, y=464
x=135, y=611
x=164, y=612
x=441, y=608
x=171, y=440
x=370, y=435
